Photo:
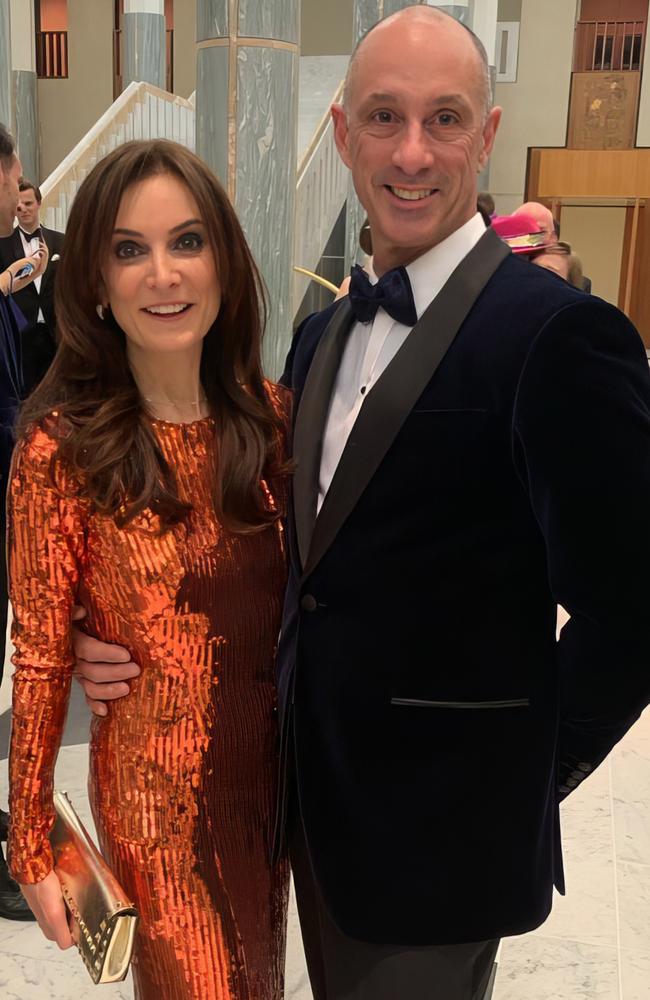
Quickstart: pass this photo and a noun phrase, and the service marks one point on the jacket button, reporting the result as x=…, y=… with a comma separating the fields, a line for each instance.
x=308, y=602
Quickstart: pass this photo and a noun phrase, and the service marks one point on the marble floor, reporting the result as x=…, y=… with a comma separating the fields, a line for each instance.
x=595, y=945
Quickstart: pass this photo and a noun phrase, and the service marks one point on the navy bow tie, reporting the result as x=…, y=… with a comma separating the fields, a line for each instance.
x=392, y=292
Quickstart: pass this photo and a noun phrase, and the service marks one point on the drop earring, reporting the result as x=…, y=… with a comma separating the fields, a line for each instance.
x=99, y=309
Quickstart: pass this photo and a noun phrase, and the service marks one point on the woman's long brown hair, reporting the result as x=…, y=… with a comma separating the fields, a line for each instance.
x=105, y=432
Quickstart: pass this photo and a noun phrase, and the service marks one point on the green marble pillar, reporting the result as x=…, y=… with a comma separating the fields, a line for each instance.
x=5, y=64
x=144, y=45
x=246, y=124
x=24, y=87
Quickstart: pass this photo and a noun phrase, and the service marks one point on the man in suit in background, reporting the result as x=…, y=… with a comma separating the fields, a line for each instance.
x=472, y=446
x=36, y=301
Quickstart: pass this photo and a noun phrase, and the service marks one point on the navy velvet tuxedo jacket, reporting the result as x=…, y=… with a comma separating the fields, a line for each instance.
x=437, y=722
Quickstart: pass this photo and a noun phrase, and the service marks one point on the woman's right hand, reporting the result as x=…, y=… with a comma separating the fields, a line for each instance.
x=45, y=900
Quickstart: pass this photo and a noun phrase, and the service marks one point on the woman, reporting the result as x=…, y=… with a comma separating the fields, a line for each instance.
x=12, y=902
x=150, y=481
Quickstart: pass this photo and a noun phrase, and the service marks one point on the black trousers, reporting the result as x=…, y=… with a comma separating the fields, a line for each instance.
x=341, y=968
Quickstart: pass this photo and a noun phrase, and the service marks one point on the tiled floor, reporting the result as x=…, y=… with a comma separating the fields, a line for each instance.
x=595, y=945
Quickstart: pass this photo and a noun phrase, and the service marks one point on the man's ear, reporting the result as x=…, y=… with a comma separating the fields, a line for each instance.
x=341, y=131
x=489, y=135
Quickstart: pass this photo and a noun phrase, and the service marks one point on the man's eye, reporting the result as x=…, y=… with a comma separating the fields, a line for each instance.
x=446, y=118
x=189, y=241
x=383, y=117
x=127, y=249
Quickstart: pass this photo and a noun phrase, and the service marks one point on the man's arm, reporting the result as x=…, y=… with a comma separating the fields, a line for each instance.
x=582, y=446
x=103, y=670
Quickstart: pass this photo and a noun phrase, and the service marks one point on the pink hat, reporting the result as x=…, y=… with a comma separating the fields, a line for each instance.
x=522, y=233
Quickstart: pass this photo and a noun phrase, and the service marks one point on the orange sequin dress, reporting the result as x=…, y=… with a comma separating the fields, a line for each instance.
x=183, y=770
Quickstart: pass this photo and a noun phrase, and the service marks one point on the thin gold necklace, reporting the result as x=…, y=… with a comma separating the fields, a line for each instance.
x=176, y=402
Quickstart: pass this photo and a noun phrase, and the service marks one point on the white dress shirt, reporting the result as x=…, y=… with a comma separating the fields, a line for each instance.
x=30, y=247
x=372, y=346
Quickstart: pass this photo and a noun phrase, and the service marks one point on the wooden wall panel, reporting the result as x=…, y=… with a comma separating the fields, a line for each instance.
x=640, y=306
x=582, y=173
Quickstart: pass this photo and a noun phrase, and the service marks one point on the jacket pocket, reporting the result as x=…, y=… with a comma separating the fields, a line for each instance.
x=423, y=703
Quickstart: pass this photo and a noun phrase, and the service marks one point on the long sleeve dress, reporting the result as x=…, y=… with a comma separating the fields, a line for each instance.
x=183, y=770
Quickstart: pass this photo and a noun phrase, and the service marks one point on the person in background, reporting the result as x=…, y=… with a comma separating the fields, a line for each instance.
x=12, y=902
x=562, y=261
x=150, y=475
x=36, y=301
x=485, y=205
x=542, y=216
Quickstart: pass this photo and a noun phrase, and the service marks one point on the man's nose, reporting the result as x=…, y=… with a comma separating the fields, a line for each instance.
x=413, y=152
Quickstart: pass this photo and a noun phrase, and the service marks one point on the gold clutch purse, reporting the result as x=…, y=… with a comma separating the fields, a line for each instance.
x=104, y=922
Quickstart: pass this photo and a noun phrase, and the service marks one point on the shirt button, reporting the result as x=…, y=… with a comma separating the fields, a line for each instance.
x=308, y=602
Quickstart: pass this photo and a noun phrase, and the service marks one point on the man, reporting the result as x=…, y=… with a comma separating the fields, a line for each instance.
x=466, y=458
x=36, y=301
x=12, y=903
x=542, y=215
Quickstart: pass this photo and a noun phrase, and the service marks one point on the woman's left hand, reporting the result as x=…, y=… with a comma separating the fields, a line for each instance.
x=45, y=900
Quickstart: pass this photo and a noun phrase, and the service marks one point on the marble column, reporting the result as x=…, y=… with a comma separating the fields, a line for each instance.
x=5, y=64
x=460, y=11
x=24, y=86
x=246, y=127
x=483, y=22
x=144, y=43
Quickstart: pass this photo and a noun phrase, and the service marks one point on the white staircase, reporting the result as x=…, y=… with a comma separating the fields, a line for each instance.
x=140, y=112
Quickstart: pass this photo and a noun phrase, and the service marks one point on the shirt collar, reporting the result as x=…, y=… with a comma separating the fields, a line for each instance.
x=433, y=269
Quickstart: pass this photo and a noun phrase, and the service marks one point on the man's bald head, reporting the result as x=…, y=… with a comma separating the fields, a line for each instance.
x=540, y=213
x=423, y=13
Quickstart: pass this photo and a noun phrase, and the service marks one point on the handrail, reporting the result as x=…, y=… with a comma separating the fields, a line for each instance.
x=317, y=278
x=321, y=189
x=51, y=55
x=600, y=45
x=83, y=153
x=320, y=131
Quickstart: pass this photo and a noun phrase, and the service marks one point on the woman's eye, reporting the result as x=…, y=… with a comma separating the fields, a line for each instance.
x=127, y=249
x=189, y=241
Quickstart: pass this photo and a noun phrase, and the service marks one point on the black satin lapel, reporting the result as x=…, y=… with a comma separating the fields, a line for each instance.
x=400, y=386
x=310, y=423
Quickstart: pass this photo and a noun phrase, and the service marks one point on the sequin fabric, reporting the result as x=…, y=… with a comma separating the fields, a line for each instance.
x=183, y=770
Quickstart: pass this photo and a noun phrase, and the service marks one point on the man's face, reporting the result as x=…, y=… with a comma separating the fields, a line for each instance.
x=9, y=193
x=28, y=210
x=415, y=134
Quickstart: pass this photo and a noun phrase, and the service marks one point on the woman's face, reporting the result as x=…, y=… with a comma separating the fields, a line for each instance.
x=160, y=277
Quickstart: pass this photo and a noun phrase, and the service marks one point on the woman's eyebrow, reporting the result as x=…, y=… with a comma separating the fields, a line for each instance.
x=176, y=229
